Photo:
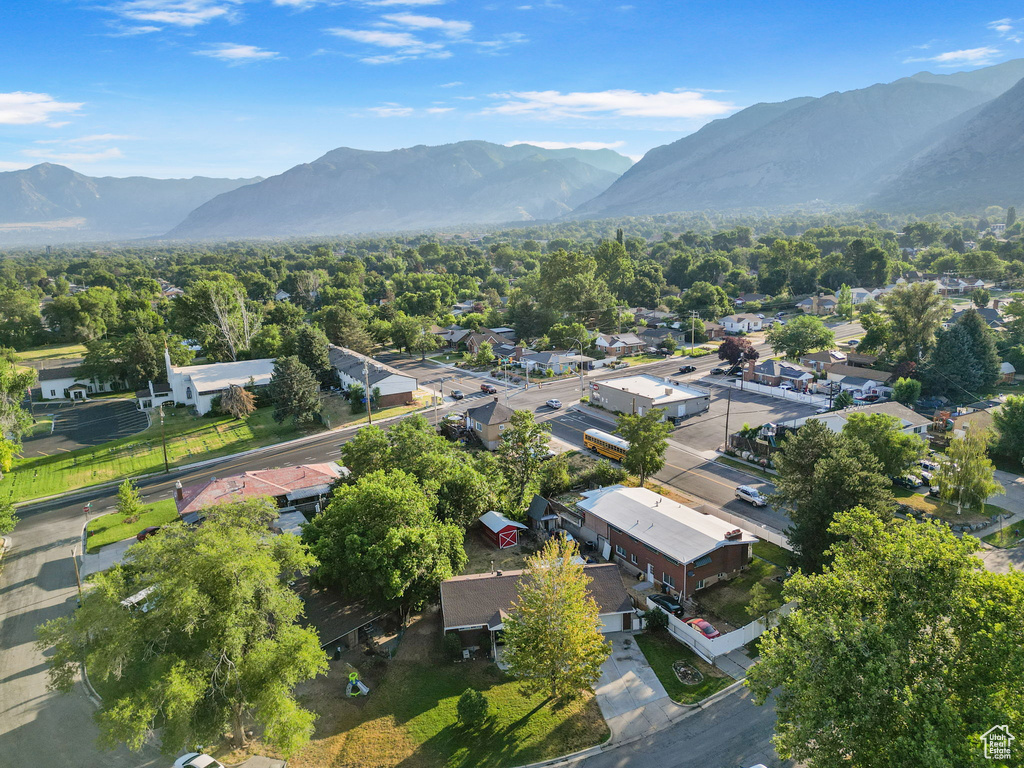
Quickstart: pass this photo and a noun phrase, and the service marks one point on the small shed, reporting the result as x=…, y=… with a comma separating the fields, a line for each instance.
x=540, y=516
x=502, y=531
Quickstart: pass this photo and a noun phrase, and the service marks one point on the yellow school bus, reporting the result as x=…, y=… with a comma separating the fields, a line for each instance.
x=605, y=444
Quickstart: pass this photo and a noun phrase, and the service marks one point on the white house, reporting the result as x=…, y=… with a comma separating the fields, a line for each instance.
x=741, y=323
x=391, y=385
x=62, y=382
x=911, y=421
x=198, y=385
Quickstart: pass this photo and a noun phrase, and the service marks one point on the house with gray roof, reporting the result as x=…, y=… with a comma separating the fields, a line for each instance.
x=60, y=380
x=392, y=387
x=488, y=422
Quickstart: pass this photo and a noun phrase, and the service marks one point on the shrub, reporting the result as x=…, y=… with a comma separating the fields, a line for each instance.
x=473, y=708
x=655, y=619
x=453, y=646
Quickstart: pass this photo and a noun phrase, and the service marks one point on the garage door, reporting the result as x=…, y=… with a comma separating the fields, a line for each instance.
x=609, y=622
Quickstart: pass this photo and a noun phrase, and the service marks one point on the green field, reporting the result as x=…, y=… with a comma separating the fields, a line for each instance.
x=189, y=439
x=108, y=529
x=661, y=650
x=52, y=352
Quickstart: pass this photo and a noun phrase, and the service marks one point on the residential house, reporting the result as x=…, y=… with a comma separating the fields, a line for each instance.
x=476, y=605
x=652, y=337
x=488, y=422
x=282, y=296
x=453, y=335
x=911, y=421
x=651, y=316
x=1007, y=373
x=665, y=541
x=540, y=515
x=501, y=531
x=508, y=333
x=388, y=385
x=741, y=323
x=775, y=373
x=199, y=385
x=714, y=331
x=823, y=360
x=819, y=305
x=746, y=298
x=860, y=382
x=860, y=295
x=474, y=340
x=619, y=344
x=990, y=315
x=60, y=380
x=558, y=362
x=861, y=359
x=640, y=393
x=290, y=487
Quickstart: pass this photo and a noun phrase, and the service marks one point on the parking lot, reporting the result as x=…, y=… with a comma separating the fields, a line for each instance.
x=707, y=431
x=82, y=424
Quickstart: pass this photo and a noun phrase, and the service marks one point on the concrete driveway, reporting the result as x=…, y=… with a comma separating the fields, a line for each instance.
x=83, y=424
x=632, y=699
x=107, y=557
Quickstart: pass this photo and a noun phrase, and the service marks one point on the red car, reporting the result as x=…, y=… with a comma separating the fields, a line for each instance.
x=704, y=628
x=489, y=389
x=145, y=533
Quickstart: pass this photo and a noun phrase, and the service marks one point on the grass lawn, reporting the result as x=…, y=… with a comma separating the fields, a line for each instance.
x=943, y=509
x=108, y=529
x=729, y=599
x=338, y=413
x=773, y=553
x=661, y=650
x=52, y=352
x=43, y=426
x=744, y=467
x=646, y=357
x=446, y=357
x=409, y=718
x=189, y=439
x=1006, y=537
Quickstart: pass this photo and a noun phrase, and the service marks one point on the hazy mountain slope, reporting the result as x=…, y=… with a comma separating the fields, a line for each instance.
x=351, y=190
x=980, y=164
x=836, y=148
x=51, y=203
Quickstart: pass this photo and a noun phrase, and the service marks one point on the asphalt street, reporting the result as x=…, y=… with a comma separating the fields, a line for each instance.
x=37, y=583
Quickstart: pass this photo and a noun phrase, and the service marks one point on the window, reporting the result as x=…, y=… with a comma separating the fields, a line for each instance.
x=700, y=584
x=501, y=427
x=188, y=393
x=479, y=426
x=620, y=551
x=632, y=559
x=666, y=579
x=53, y=393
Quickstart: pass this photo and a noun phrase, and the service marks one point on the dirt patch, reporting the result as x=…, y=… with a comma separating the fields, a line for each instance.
x=686, y=674
x=480, y=552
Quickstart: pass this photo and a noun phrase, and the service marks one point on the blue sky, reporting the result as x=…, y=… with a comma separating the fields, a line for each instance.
x=173, y=88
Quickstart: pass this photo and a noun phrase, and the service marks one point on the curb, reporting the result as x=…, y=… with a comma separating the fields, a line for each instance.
x=94, y=697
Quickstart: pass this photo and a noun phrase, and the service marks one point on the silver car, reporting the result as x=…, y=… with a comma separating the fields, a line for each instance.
x=751, y=495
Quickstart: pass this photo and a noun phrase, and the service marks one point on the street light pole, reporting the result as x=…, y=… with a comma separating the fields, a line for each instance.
x=163, y=439
x=366, y=384
x=693, y=327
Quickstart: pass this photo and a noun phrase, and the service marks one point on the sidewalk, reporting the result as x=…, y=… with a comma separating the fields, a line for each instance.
x=735, y=664
x=1012, y=502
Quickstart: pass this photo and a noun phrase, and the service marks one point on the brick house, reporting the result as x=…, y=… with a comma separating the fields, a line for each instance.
x=775, y=373
x=617, y=345
x=474, y=340
x=662, y=540
x=819, y=305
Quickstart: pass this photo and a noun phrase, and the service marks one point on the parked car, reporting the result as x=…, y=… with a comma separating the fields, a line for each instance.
x=909, y=482
x=488, y=389
x=687, y=368
x=718, y=371
x=933, y=490
x=145, y=533
x=853, y=342
x=666, y=602
x=556, y=404
x=751, y=495
x=926, y=476
x=704, y=628
x=780, y=314
x=785, y=385
x=197, y=760
x=457, y=394
x=928, y=464
x=761, y=317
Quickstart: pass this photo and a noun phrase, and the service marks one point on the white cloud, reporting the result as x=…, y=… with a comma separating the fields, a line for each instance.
x=123, y=31
x=26, y=108
x=969, y=56
x=234, y=53
x=73, y=157
x=570, y=144
x=392, y=110
x=405, y=45
x=91, y=139
x=439, y=110
x=383, y=3
x=450, y=28
x=181, y=13
x=502, y=41
x=1007, y=29
x=453, y=84
x=620, y=103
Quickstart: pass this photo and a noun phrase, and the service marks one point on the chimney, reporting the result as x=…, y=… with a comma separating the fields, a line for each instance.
x=734, y=534
x=995, y=303
x=178, y=493
x=749, y=375
x=668, y=391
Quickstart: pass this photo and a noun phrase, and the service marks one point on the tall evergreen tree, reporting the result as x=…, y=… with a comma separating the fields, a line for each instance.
x=294, y=391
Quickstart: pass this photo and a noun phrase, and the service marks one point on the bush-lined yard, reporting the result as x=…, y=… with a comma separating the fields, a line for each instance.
x=189, y=439
x=108, y=529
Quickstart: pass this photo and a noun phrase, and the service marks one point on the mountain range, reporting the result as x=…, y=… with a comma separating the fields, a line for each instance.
x=922, y=144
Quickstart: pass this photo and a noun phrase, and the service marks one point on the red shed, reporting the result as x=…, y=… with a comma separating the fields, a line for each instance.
x=500, y=530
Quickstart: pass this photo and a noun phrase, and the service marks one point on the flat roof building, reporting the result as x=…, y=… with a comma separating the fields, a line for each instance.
x=641, y=392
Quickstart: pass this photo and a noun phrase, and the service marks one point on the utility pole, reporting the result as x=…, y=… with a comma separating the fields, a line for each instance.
x=366, y=380
x=694, y=314
x=728, y=407
x=78, y=576
x=163, y=439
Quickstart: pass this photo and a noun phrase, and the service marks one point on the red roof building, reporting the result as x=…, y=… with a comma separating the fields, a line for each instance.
x=286, y=485
x=502, y=532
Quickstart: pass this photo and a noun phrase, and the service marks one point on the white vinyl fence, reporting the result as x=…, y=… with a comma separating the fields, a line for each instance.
x=782, y=394
x=708, y=648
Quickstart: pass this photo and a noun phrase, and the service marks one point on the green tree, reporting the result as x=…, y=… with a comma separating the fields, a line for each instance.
x=763, y=604
x=802, y=334
x=14, y=384
x=711, y=301
x=964, y=362
x=648, y=441
x=129, y=501
x=891, y=659
x=424, y=341
x=405, y=330
x=906, y=391
x=463, y=495
x=484, y=354
x=1009, y=425
x=238, y=402
x=876, y=332
x=843, y=400
x=551, y=636
x=214, y=645
x=915, y=313
x=883, y=434
x=520, y=456
x=217, y=314
x=311, y=347
x=378, y=539
x=1011, y=216
x=8, y=518
x=966, y=477
x=844, y=303
x=980, y=297
x=821, y=473
x=294, y=391
x=473, y=709
x=668, y=344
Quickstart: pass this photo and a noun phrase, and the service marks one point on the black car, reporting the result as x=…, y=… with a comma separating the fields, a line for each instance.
x=667, y=603
x=457, y=394
x=687, y=368
x=718, y=371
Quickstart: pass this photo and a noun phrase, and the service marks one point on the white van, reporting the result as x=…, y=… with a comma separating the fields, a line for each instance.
x=751, y=495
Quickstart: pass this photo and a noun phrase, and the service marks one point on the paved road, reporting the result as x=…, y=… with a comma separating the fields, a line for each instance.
x=732, y=733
